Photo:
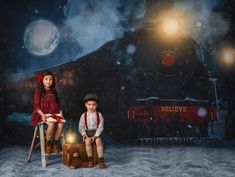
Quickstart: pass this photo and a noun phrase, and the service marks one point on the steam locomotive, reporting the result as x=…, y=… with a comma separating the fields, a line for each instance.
x=149, y=85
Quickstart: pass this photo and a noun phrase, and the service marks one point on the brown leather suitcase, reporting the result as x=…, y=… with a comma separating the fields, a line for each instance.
x=75, y=156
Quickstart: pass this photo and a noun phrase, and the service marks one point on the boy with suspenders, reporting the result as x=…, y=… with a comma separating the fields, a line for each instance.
x=91, y=126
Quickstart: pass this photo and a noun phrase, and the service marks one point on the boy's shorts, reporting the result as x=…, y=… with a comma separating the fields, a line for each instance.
x=91, y=133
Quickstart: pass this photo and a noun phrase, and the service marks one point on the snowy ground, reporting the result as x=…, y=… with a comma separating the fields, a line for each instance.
x=215, y=158
x=125, y=161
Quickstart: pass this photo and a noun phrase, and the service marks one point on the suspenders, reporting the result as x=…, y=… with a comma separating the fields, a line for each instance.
x=97, y=119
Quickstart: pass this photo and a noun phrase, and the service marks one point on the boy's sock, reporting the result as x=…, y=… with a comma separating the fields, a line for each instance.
x=89, y=150
x=100, y=151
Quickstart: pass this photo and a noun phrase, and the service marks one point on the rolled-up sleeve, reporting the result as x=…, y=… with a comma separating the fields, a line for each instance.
x=81, y=127
x=100, y=128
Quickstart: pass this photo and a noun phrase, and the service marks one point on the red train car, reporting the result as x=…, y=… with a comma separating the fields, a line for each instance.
x=154, y=117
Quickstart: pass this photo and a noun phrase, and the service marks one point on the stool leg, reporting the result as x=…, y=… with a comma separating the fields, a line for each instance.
x=32, y=144
x=42, y=143
x=62, y=139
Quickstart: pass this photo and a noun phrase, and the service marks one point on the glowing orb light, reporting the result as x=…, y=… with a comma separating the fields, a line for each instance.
x=201, y=112
x=227, y=57
x=170, y=26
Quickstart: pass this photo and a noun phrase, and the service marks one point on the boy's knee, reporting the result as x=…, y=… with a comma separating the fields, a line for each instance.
x=99, y=142
x=88, y=140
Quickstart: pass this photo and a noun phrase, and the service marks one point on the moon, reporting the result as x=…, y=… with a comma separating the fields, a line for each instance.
x=41, y=37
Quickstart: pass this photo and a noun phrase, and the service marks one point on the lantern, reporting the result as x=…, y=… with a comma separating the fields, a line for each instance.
x=70, y=136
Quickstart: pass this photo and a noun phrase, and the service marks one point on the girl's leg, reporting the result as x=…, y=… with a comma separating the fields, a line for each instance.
x=50, y=131
x=89, y=151
x=58, y=133
x=49, y=136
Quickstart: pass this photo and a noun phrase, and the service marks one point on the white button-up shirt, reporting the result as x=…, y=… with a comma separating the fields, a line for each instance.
x=91, y=123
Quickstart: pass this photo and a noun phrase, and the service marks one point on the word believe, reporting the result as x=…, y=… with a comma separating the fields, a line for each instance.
x=173, y=109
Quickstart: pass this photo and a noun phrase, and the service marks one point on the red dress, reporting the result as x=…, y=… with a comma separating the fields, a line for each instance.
x=47, y=104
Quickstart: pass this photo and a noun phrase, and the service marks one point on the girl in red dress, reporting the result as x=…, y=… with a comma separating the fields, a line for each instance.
x=47, y=109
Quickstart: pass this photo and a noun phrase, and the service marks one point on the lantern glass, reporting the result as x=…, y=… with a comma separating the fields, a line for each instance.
x=71, y=137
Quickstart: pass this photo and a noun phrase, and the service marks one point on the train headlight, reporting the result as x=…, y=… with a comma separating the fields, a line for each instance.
x=202, y=112
x=170, y=26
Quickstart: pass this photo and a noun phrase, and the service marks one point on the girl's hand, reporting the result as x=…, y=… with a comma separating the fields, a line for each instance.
x=61, y=114
x=44, y=118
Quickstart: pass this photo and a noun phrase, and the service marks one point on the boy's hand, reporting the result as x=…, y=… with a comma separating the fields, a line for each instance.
x=84, y=137
x=93, y=139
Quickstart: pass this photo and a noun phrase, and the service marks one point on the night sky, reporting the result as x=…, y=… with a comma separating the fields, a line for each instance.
x=15, y=16
x=84, y=26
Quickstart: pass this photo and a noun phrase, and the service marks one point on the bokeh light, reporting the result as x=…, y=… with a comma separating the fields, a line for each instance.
x=227, y=56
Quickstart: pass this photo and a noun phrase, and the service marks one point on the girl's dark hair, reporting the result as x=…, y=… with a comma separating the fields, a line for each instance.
x=41, y=88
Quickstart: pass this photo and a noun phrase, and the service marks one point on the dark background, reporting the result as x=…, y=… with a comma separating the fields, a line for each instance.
x=16, y=15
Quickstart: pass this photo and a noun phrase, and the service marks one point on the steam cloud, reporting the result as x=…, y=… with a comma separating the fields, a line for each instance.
x=95, y=22
x=206, y=24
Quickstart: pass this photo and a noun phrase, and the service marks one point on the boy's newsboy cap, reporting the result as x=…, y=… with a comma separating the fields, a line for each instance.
x=91, y=96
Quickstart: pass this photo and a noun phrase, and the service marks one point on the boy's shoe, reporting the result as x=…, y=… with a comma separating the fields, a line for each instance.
x=48, y=147
x=101, y=163
x=90, y=162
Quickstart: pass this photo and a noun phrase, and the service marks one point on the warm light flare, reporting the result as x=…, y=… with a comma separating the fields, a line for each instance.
x=227, y=56
x=71, y=137
x=170, y=26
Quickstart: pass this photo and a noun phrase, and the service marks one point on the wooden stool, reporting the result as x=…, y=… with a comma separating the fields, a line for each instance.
x=39, y=128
